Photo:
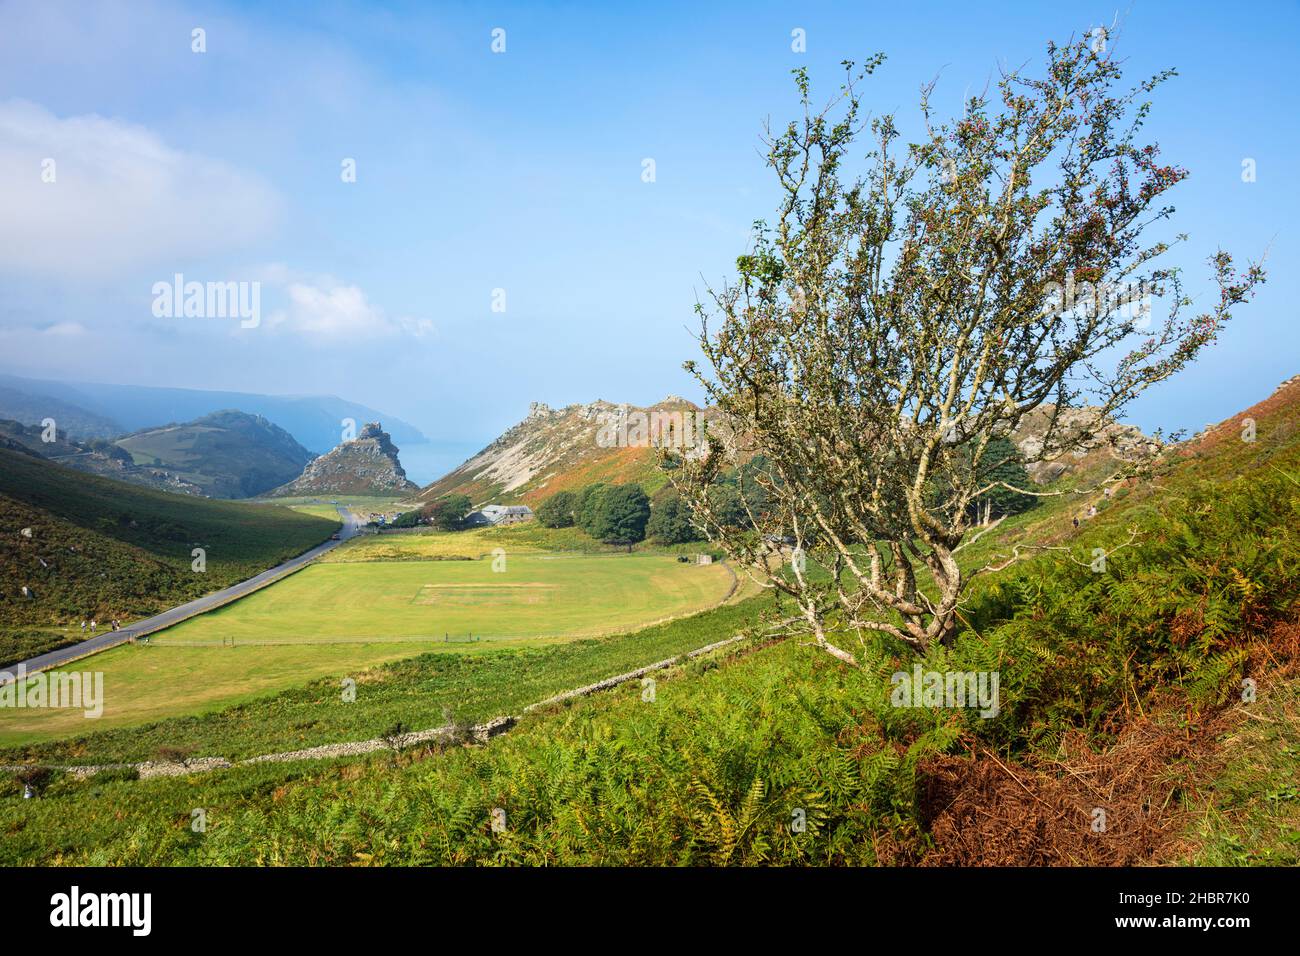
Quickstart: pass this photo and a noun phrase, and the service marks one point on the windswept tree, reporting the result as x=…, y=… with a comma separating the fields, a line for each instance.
x=891, y=327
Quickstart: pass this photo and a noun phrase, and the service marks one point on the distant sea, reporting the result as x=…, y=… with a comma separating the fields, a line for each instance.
x=429, y=461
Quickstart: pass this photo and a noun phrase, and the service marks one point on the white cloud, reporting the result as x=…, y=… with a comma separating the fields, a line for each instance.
x=120, y=198
x=328, y=310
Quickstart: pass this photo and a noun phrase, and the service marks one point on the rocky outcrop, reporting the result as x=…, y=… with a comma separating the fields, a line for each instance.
x=367, y=465
x=1084, y=433
x=555, y=448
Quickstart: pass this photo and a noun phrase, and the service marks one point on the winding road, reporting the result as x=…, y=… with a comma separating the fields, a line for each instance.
x=181, y=612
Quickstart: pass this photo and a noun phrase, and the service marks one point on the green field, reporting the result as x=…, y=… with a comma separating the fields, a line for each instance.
x=536, y=595
x=338, y=619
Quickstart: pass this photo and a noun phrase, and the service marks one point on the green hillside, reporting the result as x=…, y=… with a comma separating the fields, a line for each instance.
x=228, y=454
x=105, y=549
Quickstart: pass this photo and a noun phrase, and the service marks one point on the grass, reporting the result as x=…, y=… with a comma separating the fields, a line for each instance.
x=529, y=537
x=415, y=691
x=613, y=780
x=1250, y=814
x=536, y=595
x=320, y=505
x=730, y=751
x=339, y=619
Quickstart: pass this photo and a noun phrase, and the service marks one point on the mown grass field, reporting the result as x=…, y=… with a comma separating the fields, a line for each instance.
x=533, y=595
x=339, y=619
x=526, y=538
x=319, y=505
x=471, y=684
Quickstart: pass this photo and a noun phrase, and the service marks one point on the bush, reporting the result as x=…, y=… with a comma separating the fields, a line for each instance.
x=448, y=513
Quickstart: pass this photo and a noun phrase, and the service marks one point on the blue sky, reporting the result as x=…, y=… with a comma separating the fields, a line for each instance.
x=522, y=171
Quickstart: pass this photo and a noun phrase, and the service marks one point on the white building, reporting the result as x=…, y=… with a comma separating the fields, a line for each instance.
x=499, y=515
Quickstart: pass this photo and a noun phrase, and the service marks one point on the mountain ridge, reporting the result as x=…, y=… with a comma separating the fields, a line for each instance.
x=553, y=449
x=111, y=410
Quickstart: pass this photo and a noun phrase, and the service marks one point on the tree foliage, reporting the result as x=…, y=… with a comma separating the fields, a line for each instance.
x=670, y=520
x=557, y=511
x=622, y=515
x=448, y=512
x=887, y=328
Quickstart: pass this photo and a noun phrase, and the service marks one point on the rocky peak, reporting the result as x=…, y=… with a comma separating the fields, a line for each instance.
x=367, y=465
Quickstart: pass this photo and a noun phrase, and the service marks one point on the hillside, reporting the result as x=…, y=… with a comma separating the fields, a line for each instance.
x=86, y=546
x=96, y=456
x=228, y=454
x=367, y=465
x=554, y=449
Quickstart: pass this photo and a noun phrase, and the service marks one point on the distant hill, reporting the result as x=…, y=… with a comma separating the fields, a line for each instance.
x=553, y=449
x=368, y=465
x=111, y=410
x=34, y=407
x=97, y=456
x=86, y=546
x=229, y=454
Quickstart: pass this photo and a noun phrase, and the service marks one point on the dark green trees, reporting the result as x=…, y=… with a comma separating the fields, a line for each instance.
x=558, y=510
x=670, y=520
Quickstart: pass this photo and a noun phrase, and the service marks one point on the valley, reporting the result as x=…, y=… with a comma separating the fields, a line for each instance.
x=600, y=441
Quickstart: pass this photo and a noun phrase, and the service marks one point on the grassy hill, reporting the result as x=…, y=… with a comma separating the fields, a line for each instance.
x=229, y=454
x=1121, y=690
x=96, y=456
x=102, y=548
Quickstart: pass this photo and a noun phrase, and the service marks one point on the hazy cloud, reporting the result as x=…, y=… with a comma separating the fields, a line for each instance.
x=120, y=198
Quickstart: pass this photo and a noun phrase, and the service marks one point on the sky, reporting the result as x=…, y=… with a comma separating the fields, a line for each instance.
x=499, y=243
